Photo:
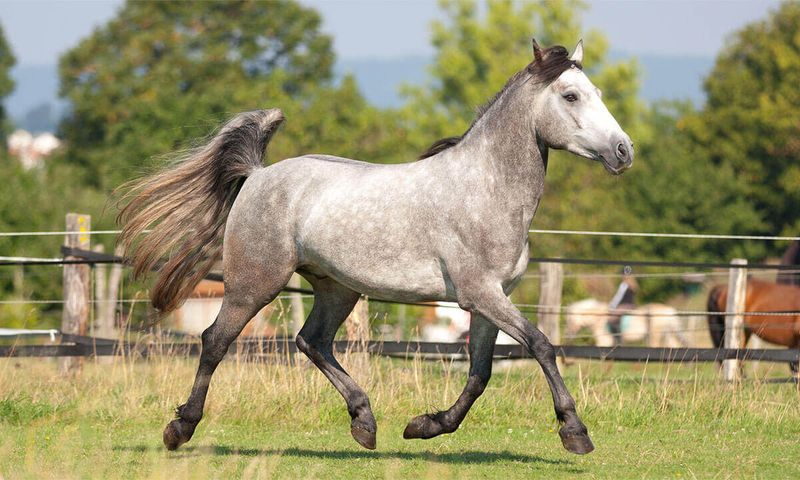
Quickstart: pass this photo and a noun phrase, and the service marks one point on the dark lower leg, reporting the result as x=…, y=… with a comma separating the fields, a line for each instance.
x=481, y=348
x=332, y=304
x=363, y=427
x=573, y=432
x=505, y=315
x=216, y=340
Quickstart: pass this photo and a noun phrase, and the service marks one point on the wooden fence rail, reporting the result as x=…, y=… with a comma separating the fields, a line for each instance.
x=82, y=346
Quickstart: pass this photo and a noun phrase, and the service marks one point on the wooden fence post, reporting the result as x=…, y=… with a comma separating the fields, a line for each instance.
x=734, y=324
x=76, y=286
x=550, y=288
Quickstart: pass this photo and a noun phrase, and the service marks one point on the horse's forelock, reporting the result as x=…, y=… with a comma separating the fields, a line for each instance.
x=555, y=61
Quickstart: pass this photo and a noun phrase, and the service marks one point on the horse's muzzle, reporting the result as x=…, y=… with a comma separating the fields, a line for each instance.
x=619, y=156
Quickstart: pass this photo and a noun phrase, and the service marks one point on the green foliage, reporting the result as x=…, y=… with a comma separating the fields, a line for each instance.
x=7, y=61
x=37, y=200
x=23, y=411
x=476, y=54
x=162, y=73
x=751, y=121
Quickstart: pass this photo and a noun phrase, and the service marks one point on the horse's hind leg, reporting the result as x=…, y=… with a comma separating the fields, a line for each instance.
x=244, y=297
x=482, y=337
x=332, y=303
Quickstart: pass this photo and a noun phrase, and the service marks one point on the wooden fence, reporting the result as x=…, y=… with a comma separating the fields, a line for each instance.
x=84, y=346
x=77, y=258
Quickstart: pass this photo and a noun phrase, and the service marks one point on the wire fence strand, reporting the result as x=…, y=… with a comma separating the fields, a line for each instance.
x=706, y=236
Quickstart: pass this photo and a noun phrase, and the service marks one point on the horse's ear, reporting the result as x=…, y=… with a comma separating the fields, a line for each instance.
x=537, y=51
x=577, y=55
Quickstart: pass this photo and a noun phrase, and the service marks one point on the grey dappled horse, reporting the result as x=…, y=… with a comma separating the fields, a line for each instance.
x=452, y=226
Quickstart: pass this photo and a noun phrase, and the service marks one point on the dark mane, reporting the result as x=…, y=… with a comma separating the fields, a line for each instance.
x=554, y=61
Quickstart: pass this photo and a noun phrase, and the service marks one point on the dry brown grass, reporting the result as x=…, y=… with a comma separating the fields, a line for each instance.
x=266, y=420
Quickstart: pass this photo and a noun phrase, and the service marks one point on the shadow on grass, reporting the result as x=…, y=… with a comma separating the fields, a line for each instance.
x=468, y=457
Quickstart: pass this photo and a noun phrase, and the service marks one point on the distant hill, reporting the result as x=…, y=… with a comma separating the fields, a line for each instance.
x=664, y=77
x=380, y=79
x=669, y=77
x=35, y=106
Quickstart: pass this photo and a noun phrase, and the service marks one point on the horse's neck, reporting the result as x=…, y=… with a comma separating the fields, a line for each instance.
x=504, y=146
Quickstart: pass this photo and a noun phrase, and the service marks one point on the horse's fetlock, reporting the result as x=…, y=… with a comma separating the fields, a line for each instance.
x=187, y=415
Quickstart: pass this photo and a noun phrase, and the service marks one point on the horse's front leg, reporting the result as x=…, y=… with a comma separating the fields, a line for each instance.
x=482, y=337
x=491, y=302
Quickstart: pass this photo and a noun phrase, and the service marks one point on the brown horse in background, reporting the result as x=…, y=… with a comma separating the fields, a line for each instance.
x=761, y=297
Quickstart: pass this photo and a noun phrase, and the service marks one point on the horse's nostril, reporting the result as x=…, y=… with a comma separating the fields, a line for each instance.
x=622, y=152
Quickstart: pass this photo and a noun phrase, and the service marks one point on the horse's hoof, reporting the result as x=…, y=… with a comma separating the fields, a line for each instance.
x=364, y=437
x=423, y=427
x=576, y=442
x=175, y=435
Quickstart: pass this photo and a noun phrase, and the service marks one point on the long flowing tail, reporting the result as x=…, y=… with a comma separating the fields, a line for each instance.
x=186, y=205
x=716, y=323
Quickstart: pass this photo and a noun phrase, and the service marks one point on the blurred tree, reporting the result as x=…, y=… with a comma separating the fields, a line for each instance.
x=669, y=188
x=751, y=121
x=477, y=53
x=161, y=73
x=7, y=61
x=37, y=200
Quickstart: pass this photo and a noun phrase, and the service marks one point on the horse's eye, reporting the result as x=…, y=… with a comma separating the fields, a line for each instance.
x=570, y=97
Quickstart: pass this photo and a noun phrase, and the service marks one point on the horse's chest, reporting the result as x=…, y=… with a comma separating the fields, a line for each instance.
x=510, y=254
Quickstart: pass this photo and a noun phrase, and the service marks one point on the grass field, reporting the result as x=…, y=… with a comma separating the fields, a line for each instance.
x=276, y=421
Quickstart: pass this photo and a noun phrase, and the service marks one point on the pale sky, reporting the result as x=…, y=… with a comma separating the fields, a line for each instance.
x=40, y=30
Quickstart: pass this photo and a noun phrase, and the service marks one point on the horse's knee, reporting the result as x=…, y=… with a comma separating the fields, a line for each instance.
x=542, y=349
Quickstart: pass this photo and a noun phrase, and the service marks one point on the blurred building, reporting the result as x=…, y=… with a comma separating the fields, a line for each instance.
x=32, y=150
x=201, y=309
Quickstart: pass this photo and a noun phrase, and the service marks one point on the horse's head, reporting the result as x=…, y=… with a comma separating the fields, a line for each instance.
x=569, y=113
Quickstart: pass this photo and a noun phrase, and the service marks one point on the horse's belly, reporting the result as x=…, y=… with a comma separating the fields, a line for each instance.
x=381, y=274
x=780, y=330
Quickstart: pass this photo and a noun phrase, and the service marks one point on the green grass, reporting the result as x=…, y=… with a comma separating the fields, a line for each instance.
x=274, y=421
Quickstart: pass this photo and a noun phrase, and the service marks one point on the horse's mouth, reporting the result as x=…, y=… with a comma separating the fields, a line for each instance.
x=616, y=168
x=614, y=171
